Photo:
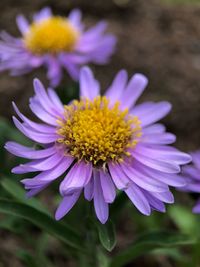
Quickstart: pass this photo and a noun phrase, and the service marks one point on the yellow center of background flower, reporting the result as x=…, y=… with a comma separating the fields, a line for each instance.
x=93, y=131
x=52, y=35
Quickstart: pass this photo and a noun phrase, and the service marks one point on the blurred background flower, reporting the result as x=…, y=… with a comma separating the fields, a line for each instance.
x=57, y=43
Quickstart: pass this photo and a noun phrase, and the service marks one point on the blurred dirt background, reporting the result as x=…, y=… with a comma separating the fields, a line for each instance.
x=158, y=39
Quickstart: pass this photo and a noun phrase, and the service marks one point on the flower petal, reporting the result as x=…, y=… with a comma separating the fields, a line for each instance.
x=138, y=199
x=118, y=176
x=115, y=91
x=78, y=176
x=66, y=204
x=89, y=87
x=133, y=90
x=22, y=24
x=108, y=187
x=101, y=207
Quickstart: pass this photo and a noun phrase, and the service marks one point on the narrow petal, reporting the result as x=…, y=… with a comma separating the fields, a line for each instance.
x=118, y=176
x=142, y=180
x=155, y=203
x=50, y=175
x=35, y=126
x=43, y=98
x=29, y=153
x=101, y=207
x=54, y=72
x=166, y=197
x=164, y=153
x=156, y=128
x=168, y=179
x=44, y=13
x=37, y=137
x=41, y=113
x=158, y=139
x=75, y=18
x=22, y=24
x=55, y=100
x=108, y=187
x=66, y=204
x=196, y=208
x=89, y=87
x=133, y=90
x=89, y=190
x=138, y=199
x=156, y=164
x=78, y=176
x=159, y=111
x=115, y=91
x=39, y=165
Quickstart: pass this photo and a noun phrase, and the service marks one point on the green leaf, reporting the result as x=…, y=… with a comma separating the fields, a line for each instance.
x=150, y=242
x=63, y=232
x=27, y=258
x=16, y=191
x=184, y=219
x=107, y=235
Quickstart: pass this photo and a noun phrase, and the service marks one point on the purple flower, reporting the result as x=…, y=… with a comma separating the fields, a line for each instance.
x=57, y=43
x=102, y=144
x=191, y=174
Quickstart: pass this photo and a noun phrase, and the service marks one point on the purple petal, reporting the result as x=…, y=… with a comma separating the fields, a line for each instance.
x=37, y=137
x=196, y=208
x=168, y=179
x=164, y=153
x=29, y=153
x=41, y=113
x=66, y=204
x=108, y=187
x=39, y=165
x=43, y=98
x=118, y=176
x=75, y=19
x=154, y=129
x=89, y=190
x=35, y=126
x=138, y=199
x=163, y=166
x=159, y=111
x=158, y=139
x=91, y=38
x=114, y=92
x=44, y=13
x=22, y=24
x=101, y=207
x=166, y=197
x=144, y=181
x=35, y=191
x=155, y=203
x=54, y=72
x=55, y=100
x=89, y=87
x=50, y=175
x=78, y=176
x=133, y=90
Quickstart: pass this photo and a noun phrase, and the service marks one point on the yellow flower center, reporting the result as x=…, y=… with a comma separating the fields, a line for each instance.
x=52, y=35
x=96, y=132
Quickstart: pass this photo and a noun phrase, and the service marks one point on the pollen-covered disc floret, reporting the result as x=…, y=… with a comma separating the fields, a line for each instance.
x=93, y=131
x=52, y=35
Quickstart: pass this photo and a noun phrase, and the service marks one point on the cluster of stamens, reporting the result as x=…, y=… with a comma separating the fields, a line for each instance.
x=98, y=132
x=52, y=35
